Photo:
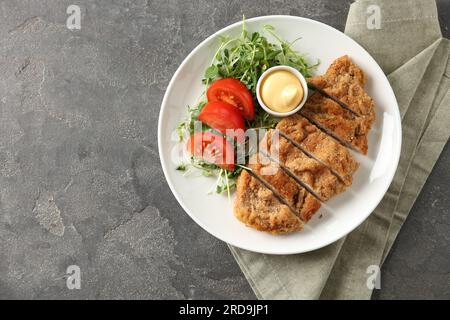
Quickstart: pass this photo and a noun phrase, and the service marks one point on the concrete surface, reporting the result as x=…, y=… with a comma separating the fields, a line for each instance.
x=81, y=182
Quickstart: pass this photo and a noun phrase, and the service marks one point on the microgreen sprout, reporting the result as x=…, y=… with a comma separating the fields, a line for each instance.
x=245, y=57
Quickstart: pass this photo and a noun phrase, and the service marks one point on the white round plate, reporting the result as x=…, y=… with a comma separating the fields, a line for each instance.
x=336, y=218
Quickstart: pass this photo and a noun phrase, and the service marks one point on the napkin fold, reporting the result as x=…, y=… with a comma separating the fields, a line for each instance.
x=410, y=49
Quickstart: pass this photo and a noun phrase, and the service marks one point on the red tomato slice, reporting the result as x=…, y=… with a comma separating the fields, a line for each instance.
x=212, y=148
x=224, y=118
x=234, y=92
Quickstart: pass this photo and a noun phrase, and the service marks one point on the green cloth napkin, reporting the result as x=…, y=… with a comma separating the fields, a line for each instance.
x=410, y=49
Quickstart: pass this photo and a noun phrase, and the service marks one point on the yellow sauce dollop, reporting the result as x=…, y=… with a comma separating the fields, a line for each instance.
x=281, y=91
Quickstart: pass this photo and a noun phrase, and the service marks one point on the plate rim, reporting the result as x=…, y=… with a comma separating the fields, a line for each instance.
x=340, y=235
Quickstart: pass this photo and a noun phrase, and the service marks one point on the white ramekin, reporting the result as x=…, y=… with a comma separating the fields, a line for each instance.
x=296, y=73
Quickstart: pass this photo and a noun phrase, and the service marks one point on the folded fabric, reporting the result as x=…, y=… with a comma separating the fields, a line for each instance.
x=418, y=69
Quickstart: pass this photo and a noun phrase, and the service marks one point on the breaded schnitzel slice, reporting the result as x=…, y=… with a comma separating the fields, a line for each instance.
x=347, y=128
x=345, y=82
x=298, y=198
x=257, y=207
x=317, y=177
x=319, y=145
x=345, y=66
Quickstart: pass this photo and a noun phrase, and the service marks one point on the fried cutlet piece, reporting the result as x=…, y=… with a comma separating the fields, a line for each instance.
x=319, y=145
x=347, y=128
x=299, y=199
x=345, y=66
x=317, y=177
x=257, y=207
x=345, y=82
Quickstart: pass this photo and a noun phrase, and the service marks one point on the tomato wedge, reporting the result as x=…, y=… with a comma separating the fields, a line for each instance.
x=233, y=92
x=212, y=148
x=224, y=118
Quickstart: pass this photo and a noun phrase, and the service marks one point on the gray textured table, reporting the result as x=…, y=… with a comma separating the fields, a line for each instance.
x=80, y=179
